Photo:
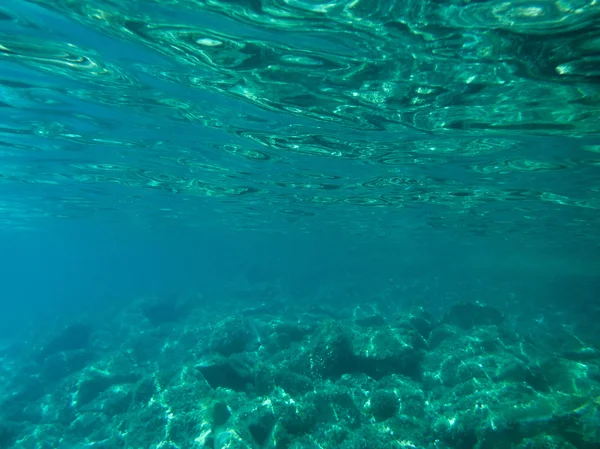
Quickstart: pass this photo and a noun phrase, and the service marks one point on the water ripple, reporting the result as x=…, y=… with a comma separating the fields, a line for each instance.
x=304, y=108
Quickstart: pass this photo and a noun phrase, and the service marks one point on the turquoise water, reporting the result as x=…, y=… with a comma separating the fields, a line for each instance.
x=478, y=116
x=299, y=224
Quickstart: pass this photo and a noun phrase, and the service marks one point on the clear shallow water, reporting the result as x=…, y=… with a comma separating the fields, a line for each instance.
x=372, y=117
x=421, y=138
x=374, y=163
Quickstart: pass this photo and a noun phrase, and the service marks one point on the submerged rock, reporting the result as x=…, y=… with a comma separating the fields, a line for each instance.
x=469, y=315
x=93, y=383
x=62, y=364
x=8, y=434
x=220, y=414
x=345, y=383
x=336, y=349
x=298, y=418
x=164, y=312
x=331, y=350
x=384, y=351
x=231, y=336
x=226, y=373
x=72, y=338
x=384, y=404
x=367, y=316
x=230, y=439
x=260, y=423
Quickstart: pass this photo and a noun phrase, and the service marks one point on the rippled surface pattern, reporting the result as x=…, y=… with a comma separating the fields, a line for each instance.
x=375, y=116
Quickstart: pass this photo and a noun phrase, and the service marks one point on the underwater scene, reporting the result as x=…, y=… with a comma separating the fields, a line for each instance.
x=300, y=224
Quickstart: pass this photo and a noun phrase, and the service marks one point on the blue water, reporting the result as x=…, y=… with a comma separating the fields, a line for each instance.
x=338, y=199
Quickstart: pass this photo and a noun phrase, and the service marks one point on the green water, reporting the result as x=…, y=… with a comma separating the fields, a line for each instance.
x=377, y=118
x=287, y=224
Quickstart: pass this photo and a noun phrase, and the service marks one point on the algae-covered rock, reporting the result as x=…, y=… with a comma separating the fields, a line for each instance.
x=231, y=335
x=298, y=417
x=188, y=395
x=370, y=437
x=383, y=404
x=165, y=312
x=342, y=405
x=283, y=334
x=377, y=351
x=260, y=423
x=344, y=380
x=367, y=316
x=294, y=383
x=280, y=437
x=468, y=315
x=71, y=338
x=185, y=427
x=148, y=425
x=62, y=364
x=143, y=391
x=383, y=351
x=544, y=442
x=229, y=373
x=86, y=424
x=441, y=333
x=230, y=439
x=93, y=382
x=410, y=394
x=8, y=434
x=331, y=350
x=220, y=414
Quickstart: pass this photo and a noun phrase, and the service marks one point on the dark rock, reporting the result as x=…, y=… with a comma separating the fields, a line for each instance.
x=187, y=396
x=229, y=439
x=117, y=401
x=367, y=316
x=331, y=353
x=62, y=364
x=231, y=336
x=265, y=309
x=341, y=406
x=8, y=434
x=72, y=338
x=384, y=404
x=143, y=390
x=19, y=405
x=146, y=348
x=282, y=438
x=282, y=374
x=379, y=351
x=293, y=383
x=581, y=355
x=220, y=414
x=299, y=418
x=423, y=325
x=518, y=371
x=225, y=373
x=370, y=321
x=370, y=437
x=410, y=396
x=544, y=442
x=441, y=333
x=386, y=351
x=469, y=315
x=183, y=428
x=260, y=424
x=93, y=383
x=294, y=331
x=164, y=312
x=147, y=426
x=85, y=425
